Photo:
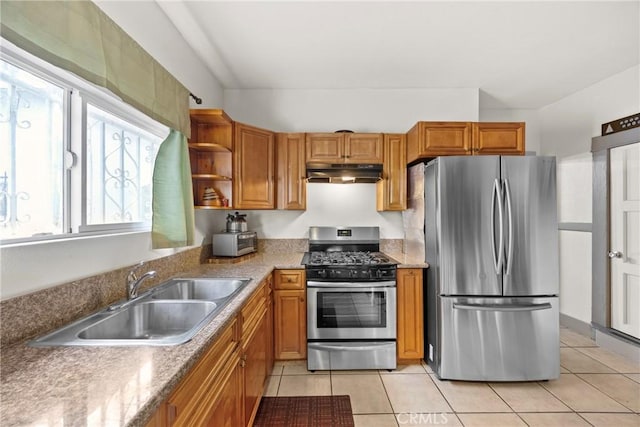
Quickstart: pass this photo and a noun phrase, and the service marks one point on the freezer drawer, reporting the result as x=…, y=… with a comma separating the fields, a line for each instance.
x=340, y=355
x=499, y=339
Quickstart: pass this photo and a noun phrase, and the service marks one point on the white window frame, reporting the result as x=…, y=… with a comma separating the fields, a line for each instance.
x=79, y=93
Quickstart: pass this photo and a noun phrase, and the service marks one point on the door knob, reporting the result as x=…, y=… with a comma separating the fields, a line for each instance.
x=615, y=254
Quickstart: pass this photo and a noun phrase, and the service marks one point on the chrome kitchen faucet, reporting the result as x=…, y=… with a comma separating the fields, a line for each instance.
x=133, y=281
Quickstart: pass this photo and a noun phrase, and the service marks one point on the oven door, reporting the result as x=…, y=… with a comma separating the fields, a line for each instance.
x=351, y=310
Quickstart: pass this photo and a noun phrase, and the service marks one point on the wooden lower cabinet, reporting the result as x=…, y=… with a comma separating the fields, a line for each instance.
x=255, y=369
x=227, y=409
x=410, y=315
x=290, y=315
x=270, y=334
x=225, y=386
x=197, y=398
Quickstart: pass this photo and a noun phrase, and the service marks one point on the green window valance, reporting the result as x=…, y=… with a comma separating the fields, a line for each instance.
x=79, y=37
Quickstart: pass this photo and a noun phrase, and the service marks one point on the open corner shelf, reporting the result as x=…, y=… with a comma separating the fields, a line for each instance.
x=209, y=147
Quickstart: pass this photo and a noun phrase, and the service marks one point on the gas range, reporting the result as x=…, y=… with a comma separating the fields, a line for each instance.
x=340, y=253
x=351, y=300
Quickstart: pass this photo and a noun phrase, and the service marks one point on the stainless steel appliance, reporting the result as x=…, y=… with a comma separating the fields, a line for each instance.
x=351, y=300
x=344, y=173
x=234, y=244
x=236, y=222
x=491, y=242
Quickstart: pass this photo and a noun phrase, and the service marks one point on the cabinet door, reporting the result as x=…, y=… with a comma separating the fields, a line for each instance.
x=325, y=147
x=290, y=318
x=432, y=139
x=255, y=373
x=292, y=187
x=410, y=314
x=270, y=345
x=193, y=399
x=227, y=411
x=498, y=138
x=363, y=148
x=254, y=168
x=392, y=188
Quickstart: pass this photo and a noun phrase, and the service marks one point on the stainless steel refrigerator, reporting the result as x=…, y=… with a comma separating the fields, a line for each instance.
x=491, y=241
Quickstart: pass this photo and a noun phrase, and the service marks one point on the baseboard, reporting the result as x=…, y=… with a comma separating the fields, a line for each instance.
x=611, y=341
x=604, y=337
x=583, y=328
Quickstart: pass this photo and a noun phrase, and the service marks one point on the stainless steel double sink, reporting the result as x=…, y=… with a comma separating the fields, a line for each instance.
x=169, y=314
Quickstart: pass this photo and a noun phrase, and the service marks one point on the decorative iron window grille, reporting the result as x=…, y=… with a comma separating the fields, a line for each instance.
x=119, y=165
x=72, y=159
x=31, y=154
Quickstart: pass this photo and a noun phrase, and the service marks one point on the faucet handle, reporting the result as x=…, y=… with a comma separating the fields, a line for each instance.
x=132, y=273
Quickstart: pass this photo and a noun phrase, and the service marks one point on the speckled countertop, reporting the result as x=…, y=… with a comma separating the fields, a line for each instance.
x=119, y=386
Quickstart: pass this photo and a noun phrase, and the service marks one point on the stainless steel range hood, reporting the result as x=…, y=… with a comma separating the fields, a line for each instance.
x=340, y=173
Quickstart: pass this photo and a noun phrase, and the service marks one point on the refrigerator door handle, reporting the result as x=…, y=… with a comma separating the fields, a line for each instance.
x=509, y=259
x=502, y=307
x=497, y=194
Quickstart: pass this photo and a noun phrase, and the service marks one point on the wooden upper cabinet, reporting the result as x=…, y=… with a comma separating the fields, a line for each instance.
x=431, y=139
x=392, y=188
x=253, y=168
x=291, y=157
x=325, y=147
x=363, y=148
x=344, y=147
x=498, y=138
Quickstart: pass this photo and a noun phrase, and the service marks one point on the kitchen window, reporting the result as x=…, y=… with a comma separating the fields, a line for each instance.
x=74, y=160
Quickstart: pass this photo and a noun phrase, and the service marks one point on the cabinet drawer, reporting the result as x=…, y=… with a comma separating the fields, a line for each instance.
x=289, y=279
x=183, y=404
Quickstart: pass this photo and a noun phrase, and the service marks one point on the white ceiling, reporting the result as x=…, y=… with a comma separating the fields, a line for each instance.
x=519, y=54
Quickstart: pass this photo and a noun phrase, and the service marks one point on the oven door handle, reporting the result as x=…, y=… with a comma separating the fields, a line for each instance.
x=385, y=284
x=345, y=347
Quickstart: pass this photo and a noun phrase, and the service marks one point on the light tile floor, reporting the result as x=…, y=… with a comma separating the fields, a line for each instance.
x=596, y=388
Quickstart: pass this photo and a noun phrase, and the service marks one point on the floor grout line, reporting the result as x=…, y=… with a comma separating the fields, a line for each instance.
x=570, y=409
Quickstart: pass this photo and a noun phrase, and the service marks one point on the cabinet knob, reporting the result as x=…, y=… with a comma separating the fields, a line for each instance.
x=615, y=254
x=301, y=299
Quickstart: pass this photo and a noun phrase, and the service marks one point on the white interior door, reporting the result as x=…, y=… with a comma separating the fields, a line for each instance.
x=625, y=239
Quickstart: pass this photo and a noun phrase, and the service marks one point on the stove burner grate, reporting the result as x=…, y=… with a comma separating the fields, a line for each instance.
x=347, y=258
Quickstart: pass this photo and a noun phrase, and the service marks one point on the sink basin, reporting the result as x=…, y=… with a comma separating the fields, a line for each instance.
x=169, y=314
x=200, y=289
x=154, y=320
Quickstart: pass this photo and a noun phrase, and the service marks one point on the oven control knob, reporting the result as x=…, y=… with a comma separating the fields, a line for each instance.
x=322, y=273
x=379, y=274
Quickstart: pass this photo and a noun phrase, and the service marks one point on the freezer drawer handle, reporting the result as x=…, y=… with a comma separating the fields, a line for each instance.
x=502, y=307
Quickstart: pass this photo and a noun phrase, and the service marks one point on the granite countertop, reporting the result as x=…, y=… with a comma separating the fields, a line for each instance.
x=120, y=386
